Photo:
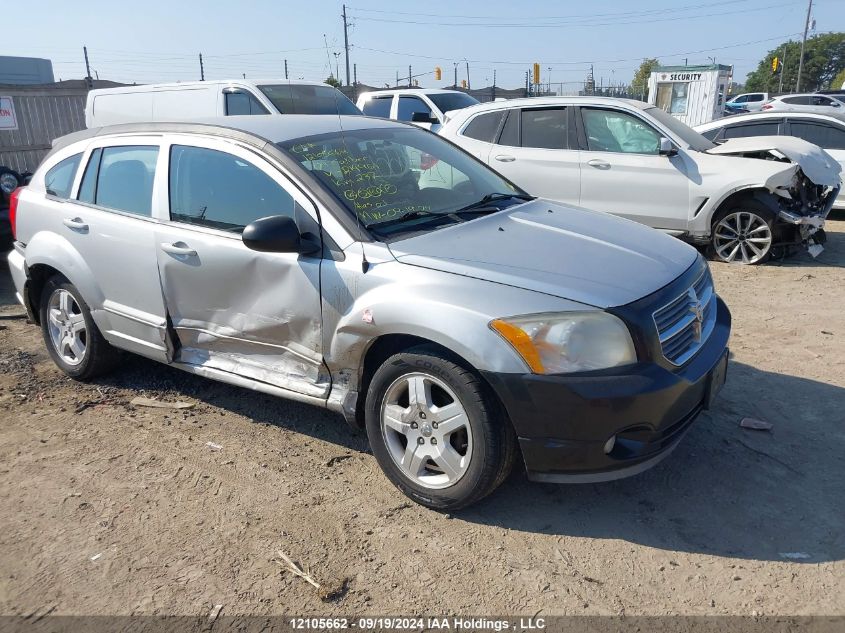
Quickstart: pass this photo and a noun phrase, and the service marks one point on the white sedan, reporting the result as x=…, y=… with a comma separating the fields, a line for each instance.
x=825, y=131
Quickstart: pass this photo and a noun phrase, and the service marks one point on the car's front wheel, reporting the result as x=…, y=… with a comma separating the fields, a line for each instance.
x=436, y=431
x=743, y=234
x=73, y=340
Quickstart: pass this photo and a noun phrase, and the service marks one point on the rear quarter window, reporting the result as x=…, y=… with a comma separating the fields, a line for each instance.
x=59, y=178
x=484, y=127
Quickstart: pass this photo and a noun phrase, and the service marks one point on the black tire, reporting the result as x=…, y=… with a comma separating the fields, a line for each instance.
x=745, y=206
x=494, y=442
x=99, y=357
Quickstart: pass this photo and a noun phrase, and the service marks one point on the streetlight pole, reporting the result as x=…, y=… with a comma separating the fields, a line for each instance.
x=803, y=41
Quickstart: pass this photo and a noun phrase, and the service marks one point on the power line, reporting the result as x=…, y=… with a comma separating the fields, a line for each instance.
x=547, y=25
x=582, y=62
x=550, y=17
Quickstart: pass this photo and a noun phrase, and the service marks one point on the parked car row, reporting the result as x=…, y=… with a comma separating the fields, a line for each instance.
x=461, y=306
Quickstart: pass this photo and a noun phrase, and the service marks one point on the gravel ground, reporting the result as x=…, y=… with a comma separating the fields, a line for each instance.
x=109, y=508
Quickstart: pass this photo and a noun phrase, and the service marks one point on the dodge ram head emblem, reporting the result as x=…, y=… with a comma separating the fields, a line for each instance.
x=698, y=314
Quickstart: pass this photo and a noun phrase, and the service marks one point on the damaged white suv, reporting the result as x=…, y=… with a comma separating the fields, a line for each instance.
x=748, y=198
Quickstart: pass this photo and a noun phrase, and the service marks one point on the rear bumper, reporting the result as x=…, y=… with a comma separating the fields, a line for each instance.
x=564, y=422
x=17, y=268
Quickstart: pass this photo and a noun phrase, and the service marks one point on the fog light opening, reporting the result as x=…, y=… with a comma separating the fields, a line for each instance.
x=609, y=444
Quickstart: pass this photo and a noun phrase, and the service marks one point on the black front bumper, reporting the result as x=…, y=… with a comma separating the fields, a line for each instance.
x=565, y=421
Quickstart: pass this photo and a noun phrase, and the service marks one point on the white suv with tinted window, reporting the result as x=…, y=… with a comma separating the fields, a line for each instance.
x=634, y=160
x=426, y=108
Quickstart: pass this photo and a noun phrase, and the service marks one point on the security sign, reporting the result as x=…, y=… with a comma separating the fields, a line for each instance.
x=8, y=120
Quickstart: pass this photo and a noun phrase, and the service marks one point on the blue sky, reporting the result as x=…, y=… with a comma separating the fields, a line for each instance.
x=159, y=40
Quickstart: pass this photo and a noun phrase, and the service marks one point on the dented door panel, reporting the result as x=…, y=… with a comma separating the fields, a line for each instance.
x=244, y=312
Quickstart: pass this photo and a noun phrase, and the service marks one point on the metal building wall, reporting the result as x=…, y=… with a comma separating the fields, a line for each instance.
x=42, y=116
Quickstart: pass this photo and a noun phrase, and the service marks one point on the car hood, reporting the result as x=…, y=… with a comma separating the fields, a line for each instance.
x=819, y=166
x=564, y=251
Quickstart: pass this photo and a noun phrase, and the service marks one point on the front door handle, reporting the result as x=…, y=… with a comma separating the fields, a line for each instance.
x=178, y=248
x=598, y=164
x=75, y=223
x=505, y=158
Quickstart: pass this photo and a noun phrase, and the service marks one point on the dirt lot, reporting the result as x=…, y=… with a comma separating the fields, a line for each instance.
x=107, y=508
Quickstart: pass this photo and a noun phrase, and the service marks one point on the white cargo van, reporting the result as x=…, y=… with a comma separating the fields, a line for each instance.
x=204, y=99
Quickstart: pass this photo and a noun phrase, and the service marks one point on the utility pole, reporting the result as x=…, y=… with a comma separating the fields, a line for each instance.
x=469, y=85
x=409, y=76
x=803, y=41
x=87, y=66
x=286, y=69
x=782, y=68
x=337, y=67
x=202, y=70
x=346, y=42
x=494, y=85
x=355, y=74
x=456, y=74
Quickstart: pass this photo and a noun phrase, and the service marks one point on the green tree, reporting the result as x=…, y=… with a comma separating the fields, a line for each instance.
x=639, y=85
x=824, y=57
x=332, y=81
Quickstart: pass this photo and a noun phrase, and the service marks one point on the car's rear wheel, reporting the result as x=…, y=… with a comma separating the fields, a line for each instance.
x=73, y=340
x=743, y=234
x=436, y=431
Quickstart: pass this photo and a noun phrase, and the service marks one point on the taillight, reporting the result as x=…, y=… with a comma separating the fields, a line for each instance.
x=13, y=211
x=766, y=107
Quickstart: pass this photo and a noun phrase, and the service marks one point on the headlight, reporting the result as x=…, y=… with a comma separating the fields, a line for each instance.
x=568, y=342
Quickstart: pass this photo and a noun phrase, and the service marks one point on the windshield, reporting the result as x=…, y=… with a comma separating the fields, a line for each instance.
x=447, y=101
x=396, y=179
x=308, y=99
x=684, y=132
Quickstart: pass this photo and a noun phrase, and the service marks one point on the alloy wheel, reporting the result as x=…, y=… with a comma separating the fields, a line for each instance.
x=66, y=325
x=742, y=236
x=426, y=430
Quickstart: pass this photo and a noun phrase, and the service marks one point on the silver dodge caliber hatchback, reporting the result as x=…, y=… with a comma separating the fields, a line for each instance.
x=374, y=268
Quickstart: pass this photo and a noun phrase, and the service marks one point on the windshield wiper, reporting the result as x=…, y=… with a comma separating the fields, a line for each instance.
x=484, y=203
x=408, y=216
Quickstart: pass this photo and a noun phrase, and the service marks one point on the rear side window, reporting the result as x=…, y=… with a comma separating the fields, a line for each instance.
x=756, y=97
x=797, y=100
x=544, y=128
x=243, y=103
x=121, y=178
x=825, y=136
x=59, y=179
x=754, y=129
x=221, y=191
x=484, y=126
x=378, y=106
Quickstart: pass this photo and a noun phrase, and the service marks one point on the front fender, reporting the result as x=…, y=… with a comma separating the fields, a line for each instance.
x=446, y=308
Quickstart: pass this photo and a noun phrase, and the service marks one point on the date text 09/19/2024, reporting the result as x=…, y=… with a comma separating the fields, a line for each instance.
x=418, y=623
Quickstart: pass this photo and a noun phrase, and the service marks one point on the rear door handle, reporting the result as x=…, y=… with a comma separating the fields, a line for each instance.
x=505, y=158
x=75, y=223
x=598, y=164
x=178, y=248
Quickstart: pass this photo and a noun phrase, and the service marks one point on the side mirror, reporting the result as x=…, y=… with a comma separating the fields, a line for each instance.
x=666, y=147
x=277, y=234
x=423, y=117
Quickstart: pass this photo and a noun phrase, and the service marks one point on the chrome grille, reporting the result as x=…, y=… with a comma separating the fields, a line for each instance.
x=685, y=323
